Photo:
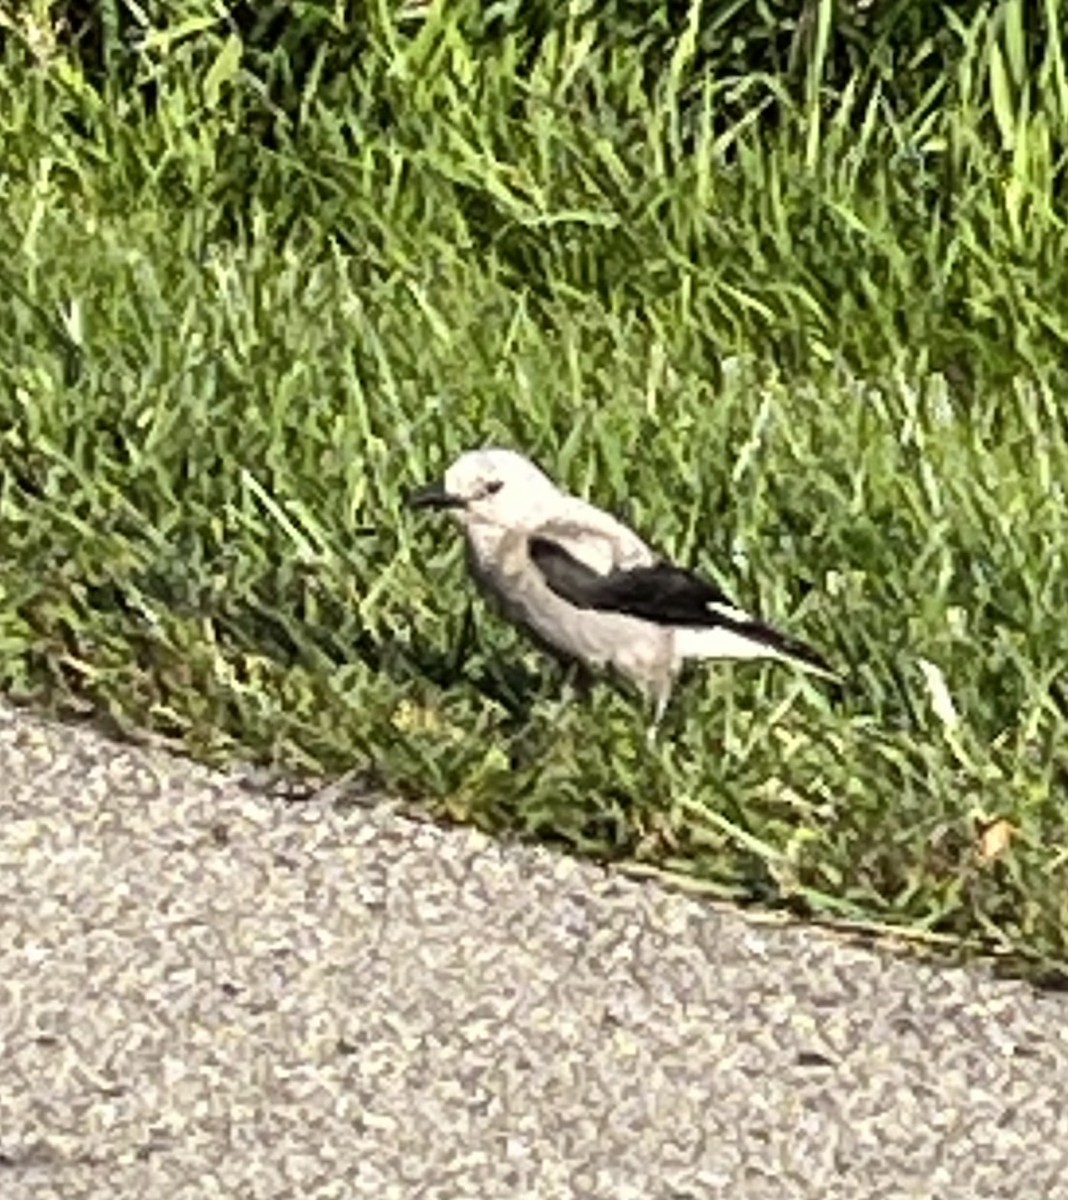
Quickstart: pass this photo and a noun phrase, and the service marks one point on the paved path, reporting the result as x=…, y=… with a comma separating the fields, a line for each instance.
x=206, y=992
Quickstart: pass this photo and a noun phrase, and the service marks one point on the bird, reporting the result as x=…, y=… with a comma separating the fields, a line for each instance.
x=587, y=588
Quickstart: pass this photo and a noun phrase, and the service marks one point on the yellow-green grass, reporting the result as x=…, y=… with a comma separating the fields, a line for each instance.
x=822, y=361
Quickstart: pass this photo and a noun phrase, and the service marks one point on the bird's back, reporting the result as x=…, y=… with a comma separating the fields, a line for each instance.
x=596, y=538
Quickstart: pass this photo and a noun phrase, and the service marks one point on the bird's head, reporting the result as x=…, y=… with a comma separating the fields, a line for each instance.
x=491, y=487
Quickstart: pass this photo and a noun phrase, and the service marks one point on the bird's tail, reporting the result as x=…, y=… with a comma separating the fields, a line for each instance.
x=747, y=638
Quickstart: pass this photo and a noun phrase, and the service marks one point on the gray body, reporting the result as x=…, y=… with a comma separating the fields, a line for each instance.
x=638, y=650
x=588, y=588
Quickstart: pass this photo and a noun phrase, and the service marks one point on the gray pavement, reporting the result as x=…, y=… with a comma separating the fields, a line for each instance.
x=209, y=992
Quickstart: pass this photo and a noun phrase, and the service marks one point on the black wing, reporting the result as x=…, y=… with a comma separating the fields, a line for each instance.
x=662, y=593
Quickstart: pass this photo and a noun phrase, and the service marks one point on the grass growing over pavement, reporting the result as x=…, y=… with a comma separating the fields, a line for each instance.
x=821, y=360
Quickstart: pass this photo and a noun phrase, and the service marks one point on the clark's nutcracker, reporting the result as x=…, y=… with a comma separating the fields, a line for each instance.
x=586, y=587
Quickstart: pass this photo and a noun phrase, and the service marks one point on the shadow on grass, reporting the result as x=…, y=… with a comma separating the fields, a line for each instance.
x=289, y=616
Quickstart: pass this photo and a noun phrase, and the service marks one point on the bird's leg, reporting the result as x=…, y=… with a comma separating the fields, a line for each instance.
x=654, y=726
x=578, y=683
x=467, y=638
x=660, y=695
x=574, y=686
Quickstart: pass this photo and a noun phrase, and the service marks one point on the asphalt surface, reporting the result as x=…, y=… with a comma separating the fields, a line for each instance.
x=209, y=992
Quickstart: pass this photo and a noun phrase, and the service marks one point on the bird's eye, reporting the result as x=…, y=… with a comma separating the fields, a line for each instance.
x=493, y=487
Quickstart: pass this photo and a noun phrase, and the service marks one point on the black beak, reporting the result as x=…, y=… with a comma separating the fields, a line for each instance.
x=434, y=495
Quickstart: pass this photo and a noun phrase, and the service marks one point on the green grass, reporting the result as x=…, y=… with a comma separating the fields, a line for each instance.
x=823, y=360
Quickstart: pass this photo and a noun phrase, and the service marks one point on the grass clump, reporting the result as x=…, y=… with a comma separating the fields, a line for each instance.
x=804, y=328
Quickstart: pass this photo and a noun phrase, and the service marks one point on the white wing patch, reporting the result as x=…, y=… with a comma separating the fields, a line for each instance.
x=729, y=613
